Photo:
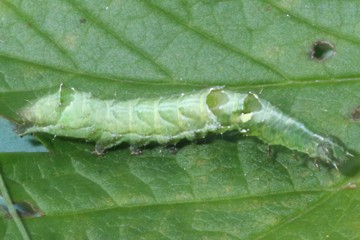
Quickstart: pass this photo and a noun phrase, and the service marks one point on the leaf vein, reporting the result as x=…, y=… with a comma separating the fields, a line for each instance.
x=203, y=34
x=121, y=39
x=43, y=34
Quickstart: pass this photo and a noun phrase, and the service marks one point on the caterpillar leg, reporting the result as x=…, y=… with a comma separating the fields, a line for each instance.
x=135, y=150
x=317, y=165
x=335, y=166
x=99, y=149
x=106, y=142
x=173, y=149
x=268, y=151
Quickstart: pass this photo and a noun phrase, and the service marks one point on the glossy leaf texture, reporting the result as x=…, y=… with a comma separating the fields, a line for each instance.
x=302, y=56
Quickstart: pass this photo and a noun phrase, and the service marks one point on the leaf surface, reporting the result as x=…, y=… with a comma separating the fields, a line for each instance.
x=223, y=188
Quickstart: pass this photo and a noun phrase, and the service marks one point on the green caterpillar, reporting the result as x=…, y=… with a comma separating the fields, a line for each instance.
x=167, y=120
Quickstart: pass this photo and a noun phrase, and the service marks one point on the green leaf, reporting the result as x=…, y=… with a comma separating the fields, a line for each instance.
x=222, y=188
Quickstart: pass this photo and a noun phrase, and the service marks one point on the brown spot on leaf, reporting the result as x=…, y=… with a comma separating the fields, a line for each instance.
x=355, y=114
x=24, y=209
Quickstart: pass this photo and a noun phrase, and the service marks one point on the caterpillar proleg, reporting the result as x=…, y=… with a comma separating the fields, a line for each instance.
x=167, y=120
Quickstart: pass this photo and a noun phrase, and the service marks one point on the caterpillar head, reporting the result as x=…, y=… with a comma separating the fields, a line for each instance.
x=332, y=151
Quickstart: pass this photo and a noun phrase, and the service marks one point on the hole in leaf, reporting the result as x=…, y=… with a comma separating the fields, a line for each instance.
x=322, y=50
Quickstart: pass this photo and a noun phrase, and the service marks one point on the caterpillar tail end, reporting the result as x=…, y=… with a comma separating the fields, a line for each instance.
x=23, y=129
x=20, y=129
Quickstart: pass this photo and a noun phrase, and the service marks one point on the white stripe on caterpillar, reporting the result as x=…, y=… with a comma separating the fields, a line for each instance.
x=167, y=120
